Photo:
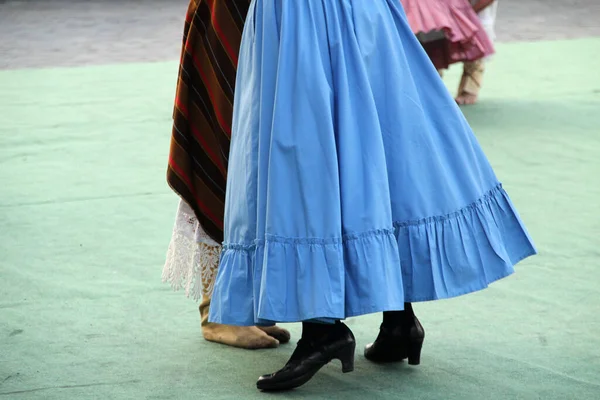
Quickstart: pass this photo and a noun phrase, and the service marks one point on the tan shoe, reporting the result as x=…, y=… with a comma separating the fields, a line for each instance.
x=470, y=82
x=282, y=335
x=245, y=337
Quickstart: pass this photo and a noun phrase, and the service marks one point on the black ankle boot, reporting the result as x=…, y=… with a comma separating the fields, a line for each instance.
x=401, y=336
x=318, y=346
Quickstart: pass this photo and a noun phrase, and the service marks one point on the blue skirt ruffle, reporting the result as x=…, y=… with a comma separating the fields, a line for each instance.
x=355, y=183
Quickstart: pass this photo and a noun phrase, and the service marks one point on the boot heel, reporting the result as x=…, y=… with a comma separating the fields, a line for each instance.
x=346, y=356
x=414, y=351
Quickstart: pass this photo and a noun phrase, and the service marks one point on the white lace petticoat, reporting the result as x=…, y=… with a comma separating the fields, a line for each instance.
x=192, y=257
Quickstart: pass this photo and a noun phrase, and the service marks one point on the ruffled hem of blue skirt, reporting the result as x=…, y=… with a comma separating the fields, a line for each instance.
x=282, y=279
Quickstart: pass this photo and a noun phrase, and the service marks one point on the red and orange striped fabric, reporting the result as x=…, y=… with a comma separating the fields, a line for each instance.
x=203, y=112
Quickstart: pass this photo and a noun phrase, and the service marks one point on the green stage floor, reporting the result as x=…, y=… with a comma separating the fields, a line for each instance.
x=86, y=216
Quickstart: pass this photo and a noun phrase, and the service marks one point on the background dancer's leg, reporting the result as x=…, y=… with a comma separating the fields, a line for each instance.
x=470, y=83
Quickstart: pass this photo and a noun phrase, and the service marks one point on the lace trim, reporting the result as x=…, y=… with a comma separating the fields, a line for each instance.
x=192, y=257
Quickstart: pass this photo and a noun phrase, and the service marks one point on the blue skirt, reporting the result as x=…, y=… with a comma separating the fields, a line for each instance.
x=355, y=183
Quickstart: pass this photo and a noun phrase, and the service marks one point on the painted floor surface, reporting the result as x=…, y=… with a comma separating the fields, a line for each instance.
x=86, y=216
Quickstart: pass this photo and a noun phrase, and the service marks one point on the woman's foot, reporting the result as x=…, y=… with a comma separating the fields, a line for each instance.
x=401, y=336
x=320, y=343
x=470, y=82
x=282, y=335
x=466, y=98
x=244, y=337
